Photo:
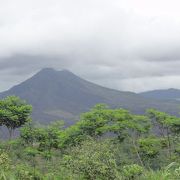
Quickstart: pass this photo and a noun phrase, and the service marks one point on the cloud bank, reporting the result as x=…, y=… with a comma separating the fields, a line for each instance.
x=123, y=44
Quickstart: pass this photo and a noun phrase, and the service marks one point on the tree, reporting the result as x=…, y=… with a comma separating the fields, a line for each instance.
x=149, y=149
x=92, y=123
x=167, y=124
x=49, y=137
x=43, y=138
x=71, y=136
x=14, y=112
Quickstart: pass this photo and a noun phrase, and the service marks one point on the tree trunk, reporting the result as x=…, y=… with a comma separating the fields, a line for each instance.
x=169, y=142
x=10, y=133
x=137, y=153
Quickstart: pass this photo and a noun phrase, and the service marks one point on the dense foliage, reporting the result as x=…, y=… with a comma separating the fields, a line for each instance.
x=104, y=144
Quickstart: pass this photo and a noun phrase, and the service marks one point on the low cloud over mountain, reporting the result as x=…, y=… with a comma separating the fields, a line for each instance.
x=122, y=44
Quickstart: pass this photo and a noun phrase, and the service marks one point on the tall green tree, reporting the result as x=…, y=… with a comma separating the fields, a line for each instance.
x=14, y=112
x=92, y=123
x=168, y=126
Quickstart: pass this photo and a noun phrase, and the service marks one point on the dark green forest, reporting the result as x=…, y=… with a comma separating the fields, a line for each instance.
x=104, y=144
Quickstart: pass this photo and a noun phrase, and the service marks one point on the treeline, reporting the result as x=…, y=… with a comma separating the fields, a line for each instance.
x=104, y=144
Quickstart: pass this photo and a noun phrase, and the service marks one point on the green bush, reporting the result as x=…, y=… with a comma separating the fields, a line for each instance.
x=92, y=160
x=132, y=171
x=25, y=172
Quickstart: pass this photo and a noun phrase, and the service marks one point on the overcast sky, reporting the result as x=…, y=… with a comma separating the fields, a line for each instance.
x=123, y=44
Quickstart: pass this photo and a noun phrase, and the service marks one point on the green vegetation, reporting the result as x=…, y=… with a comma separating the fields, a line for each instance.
x=14, y=113
x=104, y=144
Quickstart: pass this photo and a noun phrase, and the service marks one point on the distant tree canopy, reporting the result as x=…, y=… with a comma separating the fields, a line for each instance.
x=14, y=112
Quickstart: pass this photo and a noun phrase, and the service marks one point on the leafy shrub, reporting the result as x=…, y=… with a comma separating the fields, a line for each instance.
x=171, y=172
x=5, y=166
x=25, y=172
x=92, y=160
x=132, y=171
x=4, y=161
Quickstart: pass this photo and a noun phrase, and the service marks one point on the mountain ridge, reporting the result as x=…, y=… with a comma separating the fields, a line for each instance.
x=64, y=95
x=163, y=94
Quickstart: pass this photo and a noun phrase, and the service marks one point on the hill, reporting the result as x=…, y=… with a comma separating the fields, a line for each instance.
x=164, y=94
x=63, y=95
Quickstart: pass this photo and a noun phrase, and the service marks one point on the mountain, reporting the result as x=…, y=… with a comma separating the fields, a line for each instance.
x=63, y=95
x=164, y=94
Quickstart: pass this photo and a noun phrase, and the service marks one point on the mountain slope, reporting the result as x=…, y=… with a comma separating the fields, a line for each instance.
x=63, y=95
x=164, y=94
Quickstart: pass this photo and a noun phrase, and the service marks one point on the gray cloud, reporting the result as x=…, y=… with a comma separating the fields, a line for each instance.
x=124, y=44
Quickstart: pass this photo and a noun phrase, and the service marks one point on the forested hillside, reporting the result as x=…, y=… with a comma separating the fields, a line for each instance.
x=104, y=144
